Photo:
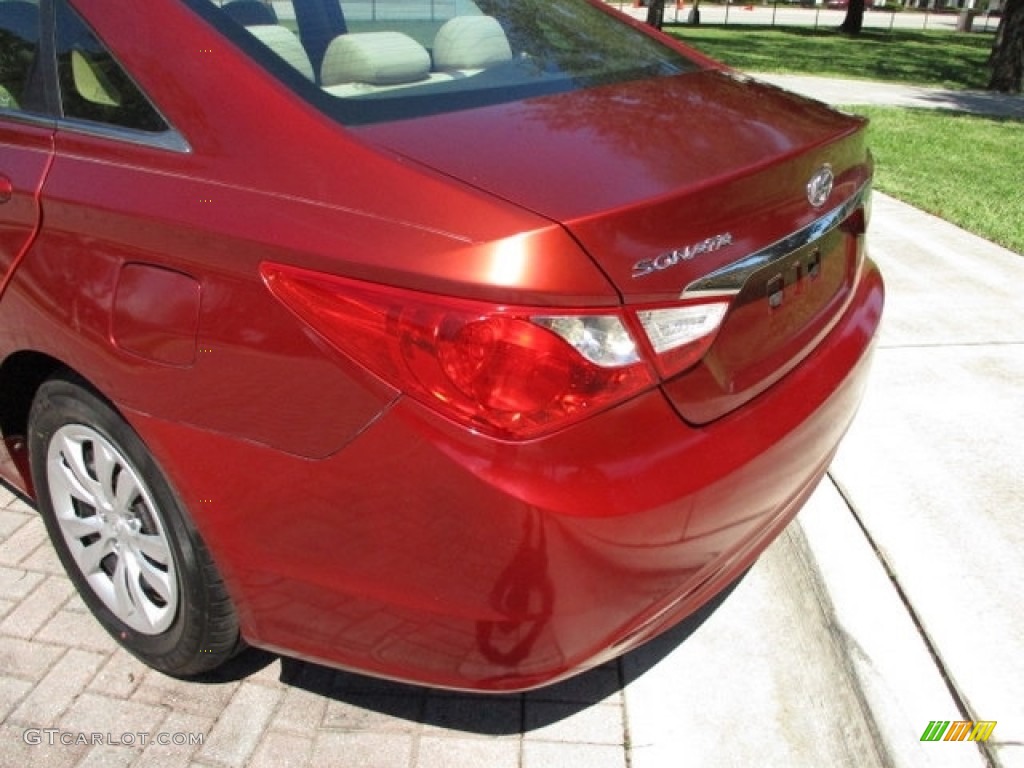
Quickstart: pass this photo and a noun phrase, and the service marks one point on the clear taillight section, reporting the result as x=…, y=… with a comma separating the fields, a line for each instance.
x=507, y=371
x=602, y=339
x=681, y=335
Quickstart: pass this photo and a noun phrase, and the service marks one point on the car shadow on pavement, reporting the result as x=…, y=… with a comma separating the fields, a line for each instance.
x=372, y=703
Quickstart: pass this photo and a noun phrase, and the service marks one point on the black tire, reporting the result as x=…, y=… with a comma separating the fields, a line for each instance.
x=110, y=511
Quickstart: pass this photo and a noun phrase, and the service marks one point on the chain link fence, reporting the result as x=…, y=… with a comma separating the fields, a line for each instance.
x=827, y=14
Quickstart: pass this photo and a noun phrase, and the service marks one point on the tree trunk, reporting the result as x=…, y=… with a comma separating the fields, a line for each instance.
x=1007, y=59
x=854, y=21
x=656, y=13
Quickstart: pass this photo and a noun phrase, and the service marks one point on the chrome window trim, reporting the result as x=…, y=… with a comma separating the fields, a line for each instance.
x=170, y=140
x=36, y=119
x=728, y=280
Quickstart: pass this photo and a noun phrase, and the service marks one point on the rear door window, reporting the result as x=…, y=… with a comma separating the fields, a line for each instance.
x=93, y=86
x=21, y=87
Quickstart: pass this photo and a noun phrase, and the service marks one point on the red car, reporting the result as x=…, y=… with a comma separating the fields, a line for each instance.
x=470, y=343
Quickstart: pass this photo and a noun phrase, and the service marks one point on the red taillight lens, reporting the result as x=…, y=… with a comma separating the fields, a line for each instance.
x=510, y=372
x=499, y=367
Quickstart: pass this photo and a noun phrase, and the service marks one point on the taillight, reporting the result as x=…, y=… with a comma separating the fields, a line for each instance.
x=680, y=335
x=508, y=371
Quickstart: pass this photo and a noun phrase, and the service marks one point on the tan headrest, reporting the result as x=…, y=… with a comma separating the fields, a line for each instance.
x=470, y=42
x=377, y=58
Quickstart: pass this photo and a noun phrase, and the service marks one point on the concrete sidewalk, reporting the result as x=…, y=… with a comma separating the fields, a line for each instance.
x=838, y=91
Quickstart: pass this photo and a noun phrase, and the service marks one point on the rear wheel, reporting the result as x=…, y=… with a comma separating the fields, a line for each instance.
x=123, y=536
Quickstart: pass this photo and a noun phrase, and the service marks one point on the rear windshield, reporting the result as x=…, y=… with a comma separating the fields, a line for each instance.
x=366, y=61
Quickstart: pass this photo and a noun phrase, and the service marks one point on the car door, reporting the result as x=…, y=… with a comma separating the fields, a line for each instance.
x=26, y=133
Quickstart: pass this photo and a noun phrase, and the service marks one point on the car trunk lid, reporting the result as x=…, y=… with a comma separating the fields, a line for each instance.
x=670, y=183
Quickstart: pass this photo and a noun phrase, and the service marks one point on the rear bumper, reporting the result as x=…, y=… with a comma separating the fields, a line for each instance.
x=424, y=553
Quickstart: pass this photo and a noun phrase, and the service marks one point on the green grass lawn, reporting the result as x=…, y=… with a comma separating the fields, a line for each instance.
x=968, y=170
x=946, y=59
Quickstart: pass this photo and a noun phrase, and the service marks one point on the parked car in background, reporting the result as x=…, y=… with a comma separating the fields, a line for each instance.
x=464, y=343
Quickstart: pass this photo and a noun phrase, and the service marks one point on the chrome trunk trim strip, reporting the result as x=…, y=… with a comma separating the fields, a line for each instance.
x=728, y=280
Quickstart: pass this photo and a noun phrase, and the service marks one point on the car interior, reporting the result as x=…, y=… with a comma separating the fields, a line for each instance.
x=373, y=54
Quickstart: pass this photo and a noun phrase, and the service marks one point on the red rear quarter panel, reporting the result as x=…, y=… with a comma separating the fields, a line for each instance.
x=305, y=192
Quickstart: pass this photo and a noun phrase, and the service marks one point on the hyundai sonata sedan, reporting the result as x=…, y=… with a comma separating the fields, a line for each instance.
x=467, y=342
